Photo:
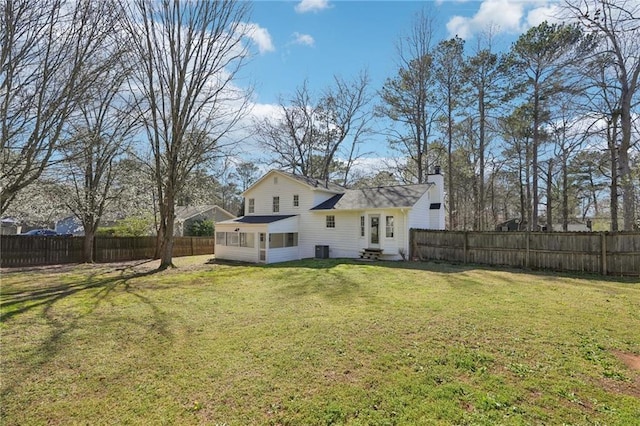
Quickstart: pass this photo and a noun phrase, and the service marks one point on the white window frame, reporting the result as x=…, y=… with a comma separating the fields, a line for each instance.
x=362, y=226
x=296, y=200
x=389, y=229
x=330, y=221
x=252, y=205
x=276, y=204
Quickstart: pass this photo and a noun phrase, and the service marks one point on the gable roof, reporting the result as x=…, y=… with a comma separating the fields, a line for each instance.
x=376, y=198
x=312, y=183
x=187, y=212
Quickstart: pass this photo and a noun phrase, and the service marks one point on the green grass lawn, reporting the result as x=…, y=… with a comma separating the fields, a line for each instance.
x=317, y=342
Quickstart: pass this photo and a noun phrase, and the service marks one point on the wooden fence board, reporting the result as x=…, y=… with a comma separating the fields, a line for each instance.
x=21, y=250
x=608, y=253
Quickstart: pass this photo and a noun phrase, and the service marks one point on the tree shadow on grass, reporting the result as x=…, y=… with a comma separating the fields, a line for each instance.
x=15, y=303
x=24, y=301
x=330, y=283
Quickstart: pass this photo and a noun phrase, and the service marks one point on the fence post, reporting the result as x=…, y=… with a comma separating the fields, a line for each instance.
x=603, y=251
x=411, y=250
x=192, y=246
x=465, y=247
x=527, y=260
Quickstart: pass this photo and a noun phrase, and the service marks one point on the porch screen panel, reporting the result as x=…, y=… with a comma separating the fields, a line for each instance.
x=247, y=239
x=280, y=240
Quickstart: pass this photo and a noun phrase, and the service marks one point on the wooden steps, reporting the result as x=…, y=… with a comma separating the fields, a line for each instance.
x=370, y=254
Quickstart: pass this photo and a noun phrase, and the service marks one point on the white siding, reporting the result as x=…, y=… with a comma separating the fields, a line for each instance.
x=251, y=254
x=436, y=195
x=242, y=254
x=422, y=217
x=344, y=240
x=264, y=191
x=419, y=214
x=284, y=225
x=282, y=254
x=392, y=246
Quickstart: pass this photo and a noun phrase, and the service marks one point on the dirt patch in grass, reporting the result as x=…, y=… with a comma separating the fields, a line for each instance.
x=631, y=386
x=630, y=360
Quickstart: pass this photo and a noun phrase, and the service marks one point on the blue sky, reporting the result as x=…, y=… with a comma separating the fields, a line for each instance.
x=316, y=39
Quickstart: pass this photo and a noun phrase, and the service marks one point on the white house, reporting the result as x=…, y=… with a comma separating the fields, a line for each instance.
x=290, y=217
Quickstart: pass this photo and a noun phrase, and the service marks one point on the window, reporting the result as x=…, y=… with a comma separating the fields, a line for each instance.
x=296, y=201
x=275, y=180
x=247, y=239
x=252, y=205
x=331, y=221
x=221, y=238
x=362, y=226
x=276, y=204
x=389, y=233
x=232, y=239
x=280, y=240
x=237, y=239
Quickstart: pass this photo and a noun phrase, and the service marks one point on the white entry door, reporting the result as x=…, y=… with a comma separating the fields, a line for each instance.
x=262, y=247
x=374, y=231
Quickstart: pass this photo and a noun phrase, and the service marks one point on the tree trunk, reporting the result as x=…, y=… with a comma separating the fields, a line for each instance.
x=613, y=148
x=481, y=143
x=628, y=190
x=87, y=244
x=452, y=204
x=534, y=160
x=565, y=194
x=550, y=197
x=166, y=248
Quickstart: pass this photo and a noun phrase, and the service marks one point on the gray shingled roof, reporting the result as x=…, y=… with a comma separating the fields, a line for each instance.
x=259, y=218
x=187, y=212
x=315, y=182
x=375, y=198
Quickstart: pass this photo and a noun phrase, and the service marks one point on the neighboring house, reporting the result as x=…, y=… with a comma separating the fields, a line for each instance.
x=70, y=225
x=517, y=225
x=573, y=226
x=187, y=215
x=512, y=225
x=290, y=217
x=10, y=226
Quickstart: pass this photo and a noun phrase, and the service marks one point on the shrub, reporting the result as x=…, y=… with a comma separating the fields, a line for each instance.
x=202, y=228
x=129, y=227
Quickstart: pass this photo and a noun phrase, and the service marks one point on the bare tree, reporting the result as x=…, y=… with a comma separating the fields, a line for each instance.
x=247, y=174
x=449, y=62
x=542, y=57
x=408, y=98
x=48, y=64
x=616, y=24
x=188, y=56
x=312, y=133
x=567, y=140
x=483, y=78
x=100, y=135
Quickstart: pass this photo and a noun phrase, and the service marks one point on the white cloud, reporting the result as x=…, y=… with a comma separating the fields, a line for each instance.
x=312, y=6
x=261, y=111
x=303, y=39
x=504, y=16
x=260, y=36
x=537, y=16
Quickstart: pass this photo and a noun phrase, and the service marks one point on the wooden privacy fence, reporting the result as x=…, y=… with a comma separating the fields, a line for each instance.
x=21, y=250
x=603, y=253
